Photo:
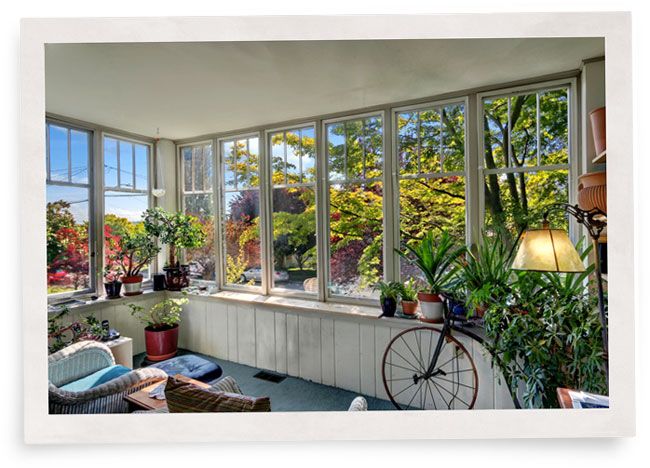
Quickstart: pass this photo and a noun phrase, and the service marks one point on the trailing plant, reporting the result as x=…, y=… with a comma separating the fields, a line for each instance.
x=546, y=333
x=409, y=290
x=163, y=315
x=390, y=290
x=61, y=334
x=436, y=260
x=177, y=230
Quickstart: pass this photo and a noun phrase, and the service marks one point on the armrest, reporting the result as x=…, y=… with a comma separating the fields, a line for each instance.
x=78, y=360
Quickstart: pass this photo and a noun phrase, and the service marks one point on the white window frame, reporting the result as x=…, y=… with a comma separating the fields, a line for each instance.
x=269, y=266
x=573, y=166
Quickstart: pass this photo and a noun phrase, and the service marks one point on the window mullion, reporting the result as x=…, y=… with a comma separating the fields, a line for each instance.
x=69, y=155
x=537, y=115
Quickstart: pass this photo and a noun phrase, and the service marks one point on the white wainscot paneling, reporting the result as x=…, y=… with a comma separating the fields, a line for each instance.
x=346, y=353
x=382, y=338
x=246, y=335
x=293, y=360
x=368, y=361
x=216, y=333
x=265, y=338
x=232, y=333
x=280, y=342
x=192, y=333
x=327, y=351
x=309, y=348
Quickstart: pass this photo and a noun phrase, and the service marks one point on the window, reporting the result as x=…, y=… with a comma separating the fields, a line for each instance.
x=197, y=176
x=241, y=212
x=526, y=158
x=69, y=232
x=126, y=191
x=293, y=199
x=354, y=151
x=431, y=162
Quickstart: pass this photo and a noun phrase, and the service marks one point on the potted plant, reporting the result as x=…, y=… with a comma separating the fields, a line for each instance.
x=161, y=327
x=112, y=283
x=136, y=250
x=409, y=296
x=178, y=231
x=388, y=295
x=438, y=263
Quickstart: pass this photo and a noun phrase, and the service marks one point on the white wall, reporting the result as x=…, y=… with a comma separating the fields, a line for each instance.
x=166, y=166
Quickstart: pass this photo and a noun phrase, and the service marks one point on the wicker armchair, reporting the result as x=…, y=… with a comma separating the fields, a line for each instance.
x=82, y=359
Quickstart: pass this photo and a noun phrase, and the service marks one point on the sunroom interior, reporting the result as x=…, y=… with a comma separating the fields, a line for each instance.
x=313, y=173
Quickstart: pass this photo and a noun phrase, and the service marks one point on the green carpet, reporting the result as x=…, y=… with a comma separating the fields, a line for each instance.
x=292, y=394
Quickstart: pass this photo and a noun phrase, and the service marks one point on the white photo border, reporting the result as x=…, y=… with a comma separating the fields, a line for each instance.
x=618, y=420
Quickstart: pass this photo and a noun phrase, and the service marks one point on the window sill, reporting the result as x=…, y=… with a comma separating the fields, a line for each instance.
x=85, y=303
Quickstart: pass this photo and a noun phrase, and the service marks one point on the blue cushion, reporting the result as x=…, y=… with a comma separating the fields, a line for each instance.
x=191, y=366
x=95, y=379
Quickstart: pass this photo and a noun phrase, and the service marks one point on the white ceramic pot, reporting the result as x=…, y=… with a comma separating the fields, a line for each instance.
x=431, y=306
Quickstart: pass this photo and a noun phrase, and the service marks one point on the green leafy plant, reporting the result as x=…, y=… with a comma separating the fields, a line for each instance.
x=163, y=315
x=390, y=290
x=177, y=230
x=436, y=260
x=135, y=251
x=409, y=290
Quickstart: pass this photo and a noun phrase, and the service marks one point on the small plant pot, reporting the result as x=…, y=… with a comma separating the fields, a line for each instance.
x=409, y=307
x=431, y=306
x=113, y=289
x=176, y=277
x=388, y=307
x=132, y=285
x=161, y=344
x=592, y=191
x=480, y=311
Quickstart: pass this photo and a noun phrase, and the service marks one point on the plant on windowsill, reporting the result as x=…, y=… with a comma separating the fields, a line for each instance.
x=135, y=251
x=178, y=231
x=388, y=295
x=438, y=261
x=409, y=297
x=112, y=283
x=161, y=327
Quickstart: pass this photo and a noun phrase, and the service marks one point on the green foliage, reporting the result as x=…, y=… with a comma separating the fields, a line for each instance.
x=409, y=290
x=390, y=290
x=164, y=314
x=135, y=252
x=61, y=333
x=436, y=260
x=177, y=230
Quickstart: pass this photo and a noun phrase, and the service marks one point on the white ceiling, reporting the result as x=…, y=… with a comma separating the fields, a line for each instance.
x=191, y=89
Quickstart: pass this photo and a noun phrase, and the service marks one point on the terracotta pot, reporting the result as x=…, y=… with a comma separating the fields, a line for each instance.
x=598, y=129
x=409, y=307
x=161, y=344
x=480, y=311
x=592, y=191
x=431, y=305
x=132, y=285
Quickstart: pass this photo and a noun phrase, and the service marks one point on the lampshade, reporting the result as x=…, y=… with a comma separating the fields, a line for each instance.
x=547, y=250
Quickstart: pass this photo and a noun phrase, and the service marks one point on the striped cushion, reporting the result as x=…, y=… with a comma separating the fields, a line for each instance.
x=184, y=397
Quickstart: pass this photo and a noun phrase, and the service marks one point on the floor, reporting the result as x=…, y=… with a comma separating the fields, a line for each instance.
x=292, y=394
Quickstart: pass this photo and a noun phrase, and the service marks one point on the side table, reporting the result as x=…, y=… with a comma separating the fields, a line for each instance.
x=122, y=349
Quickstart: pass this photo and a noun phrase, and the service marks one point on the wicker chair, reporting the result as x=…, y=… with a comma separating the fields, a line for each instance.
x=82, y=359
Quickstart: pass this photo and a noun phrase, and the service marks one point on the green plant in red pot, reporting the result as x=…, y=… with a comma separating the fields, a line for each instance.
x=136, y=250
x=161, y=330
x=178, y=231
x=409, y=296
x=438, y=261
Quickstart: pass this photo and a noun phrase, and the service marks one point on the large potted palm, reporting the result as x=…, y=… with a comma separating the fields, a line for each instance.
x=178, y=231
x=161, y=327
x=438, y=261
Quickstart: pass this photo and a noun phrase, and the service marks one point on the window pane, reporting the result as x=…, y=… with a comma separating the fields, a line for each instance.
x=430, y=141
x=202, y=259
x=207, y=161
x=407, y=140
x=197, y=151
x=356, y=260
x=453, y=138
x=247, y=163
x=495, y=128
x=554, y=127
x=294, y=239
x=523, y=136
x=425, y=204
x=58, y=153
x=187, y=169
x=308, y=155
x=336, y=151
x=355, y=147
x=141, y=167
x=126, y=164
x=293, y=157
x=512, y=201
x=68, y=259
x=79, y=155
x=228, y=151
x=110, y=162
x=242, y=238
x=374, y=148
x=277, y=158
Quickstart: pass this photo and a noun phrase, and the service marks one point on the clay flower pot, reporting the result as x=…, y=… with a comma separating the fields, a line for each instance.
x=161, y=344
x=132, y=285
x=592, y=191
x=431, y=306
x=409, y=307
x=598, y=129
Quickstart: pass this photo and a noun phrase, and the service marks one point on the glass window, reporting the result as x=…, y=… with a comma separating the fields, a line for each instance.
x=355, y=166
x=241, y=212
x=198, y=202
x=294, y=210
x=526, y=155
x=68, y=209
x=431, y=158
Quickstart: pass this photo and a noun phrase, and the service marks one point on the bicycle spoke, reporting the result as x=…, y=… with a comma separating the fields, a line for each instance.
x=403, y=390
x=405, y=360
x=454, y=383
x=432, y=397
x=411, y=351
x=443, y=398
x=402, y=367
x=396, y=380
x=416, y=392
x=455, y=397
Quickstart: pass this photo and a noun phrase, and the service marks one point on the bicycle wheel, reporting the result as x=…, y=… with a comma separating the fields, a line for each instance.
x=410, y=384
